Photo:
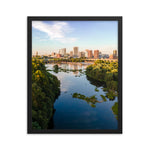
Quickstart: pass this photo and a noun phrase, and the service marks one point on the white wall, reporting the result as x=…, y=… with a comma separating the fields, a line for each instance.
x=13, y=76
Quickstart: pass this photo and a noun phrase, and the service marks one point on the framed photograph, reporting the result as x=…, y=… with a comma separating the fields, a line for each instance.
x=74, y=74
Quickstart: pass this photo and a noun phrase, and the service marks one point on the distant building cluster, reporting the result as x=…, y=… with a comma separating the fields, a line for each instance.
x=75, y=53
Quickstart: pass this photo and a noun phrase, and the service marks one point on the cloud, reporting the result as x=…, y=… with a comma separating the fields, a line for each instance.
x=56, y=31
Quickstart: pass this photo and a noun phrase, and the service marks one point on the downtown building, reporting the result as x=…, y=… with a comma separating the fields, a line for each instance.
x=58, y=55
x=36, y=53
x=71, y=53
x=100, y=55
x=90, y=54
x=115, y=54
x=81, y=54
x=96, y=54
x=105, y=56
x=86, y=53
x=62, y=51
x=111, y=56
x=75, y=51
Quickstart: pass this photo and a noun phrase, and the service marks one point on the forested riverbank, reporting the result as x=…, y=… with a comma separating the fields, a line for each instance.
x=45, y=90
x=106, y=74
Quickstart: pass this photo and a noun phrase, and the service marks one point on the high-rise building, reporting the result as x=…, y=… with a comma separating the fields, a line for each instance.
x=71, y=53
x=90, y=55
x=75, y=51
x=81, y=54
x=96, y=54
x=86, y=53
x=115, y=54
x=62, y=51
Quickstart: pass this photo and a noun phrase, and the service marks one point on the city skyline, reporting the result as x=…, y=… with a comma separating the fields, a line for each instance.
x=59, y=51
x=54, y=35
x=96, y=54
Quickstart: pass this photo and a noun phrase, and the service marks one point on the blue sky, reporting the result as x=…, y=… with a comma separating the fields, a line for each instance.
x=48, y=36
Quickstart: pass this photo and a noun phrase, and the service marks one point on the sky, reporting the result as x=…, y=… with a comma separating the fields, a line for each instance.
x=50, y=36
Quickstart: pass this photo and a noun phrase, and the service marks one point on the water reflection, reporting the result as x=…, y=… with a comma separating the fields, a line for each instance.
x=79, y=112
x=51, y=121
x=94, y=82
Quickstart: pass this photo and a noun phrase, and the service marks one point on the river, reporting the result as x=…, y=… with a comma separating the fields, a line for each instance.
x=74, y=113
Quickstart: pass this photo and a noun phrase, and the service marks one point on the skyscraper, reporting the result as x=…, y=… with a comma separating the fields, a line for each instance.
x=90, y=55
x=75, y=51
x=114, y=54
x=96, y=54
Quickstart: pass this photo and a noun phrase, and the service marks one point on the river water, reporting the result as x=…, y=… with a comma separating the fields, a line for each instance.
x=74, y=113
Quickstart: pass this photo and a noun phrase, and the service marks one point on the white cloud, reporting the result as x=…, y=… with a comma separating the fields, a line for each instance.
x=57, y=31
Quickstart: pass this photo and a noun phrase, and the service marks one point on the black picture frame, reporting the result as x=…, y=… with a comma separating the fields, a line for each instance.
x=29, y=72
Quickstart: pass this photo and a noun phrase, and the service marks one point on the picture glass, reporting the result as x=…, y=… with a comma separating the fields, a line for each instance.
x=74, y=75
